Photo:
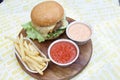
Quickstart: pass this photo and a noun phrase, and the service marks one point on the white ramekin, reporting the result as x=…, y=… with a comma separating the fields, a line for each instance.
x=82, y=42
x=64, y=40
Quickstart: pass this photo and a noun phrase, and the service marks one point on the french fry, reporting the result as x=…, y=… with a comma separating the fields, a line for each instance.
x=28, y=52
x=40, y=72
x=28, y=49
x=46, y=60
x=18, y=49
x=20, y=40
x=31, y=47
x=43, y=59
x=38, y=60
x=33, y=62
x=35, y=52
x=25, y=44
x=22, y=52
x=29, y=65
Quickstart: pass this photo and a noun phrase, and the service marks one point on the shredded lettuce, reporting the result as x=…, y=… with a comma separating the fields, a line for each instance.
x=32, y=33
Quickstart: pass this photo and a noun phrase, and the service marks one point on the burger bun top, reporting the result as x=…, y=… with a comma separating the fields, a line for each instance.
x=47, y=13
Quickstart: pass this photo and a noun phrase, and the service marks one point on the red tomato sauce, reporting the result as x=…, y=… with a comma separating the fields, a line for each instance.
x=63, y=52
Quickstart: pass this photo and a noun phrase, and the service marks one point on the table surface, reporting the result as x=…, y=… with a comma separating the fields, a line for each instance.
x=102, y=15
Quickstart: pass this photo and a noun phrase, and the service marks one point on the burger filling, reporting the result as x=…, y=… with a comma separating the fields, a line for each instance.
x=45, y=33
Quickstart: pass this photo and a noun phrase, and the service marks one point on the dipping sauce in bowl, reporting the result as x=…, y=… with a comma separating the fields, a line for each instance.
x=79, y=32
x=63, y=52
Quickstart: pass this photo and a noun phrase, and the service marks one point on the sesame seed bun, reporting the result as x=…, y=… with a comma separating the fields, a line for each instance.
x=47, y=13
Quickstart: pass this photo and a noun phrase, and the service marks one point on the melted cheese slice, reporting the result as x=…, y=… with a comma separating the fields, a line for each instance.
x=45, y=30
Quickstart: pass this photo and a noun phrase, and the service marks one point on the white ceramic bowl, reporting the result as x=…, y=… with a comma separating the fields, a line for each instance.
x=24, y=64
x=79, y=42
x=64, y=40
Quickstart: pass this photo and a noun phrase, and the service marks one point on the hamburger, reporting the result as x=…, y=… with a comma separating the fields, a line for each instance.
x=48, y=21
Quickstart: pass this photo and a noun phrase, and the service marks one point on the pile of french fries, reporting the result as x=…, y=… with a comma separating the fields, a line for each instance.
x=33, y=59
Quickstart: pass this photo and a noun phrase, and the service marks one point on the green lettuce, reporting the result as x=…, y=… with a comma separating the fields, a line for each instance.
x=55, y=34
x=34, y=34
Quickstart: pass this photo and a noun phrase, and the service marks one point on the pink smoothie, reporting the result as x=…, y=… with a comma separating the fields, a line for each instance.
x=79, y=32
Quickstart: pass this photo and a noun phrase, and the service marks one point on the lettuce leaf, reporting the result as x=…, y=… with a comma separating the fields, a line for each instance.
x=55, y=34
x=32, y=33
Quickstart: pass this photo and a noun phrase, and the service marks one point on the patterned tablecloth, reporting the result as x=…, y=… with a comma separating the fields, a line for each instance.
x=102, y=15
